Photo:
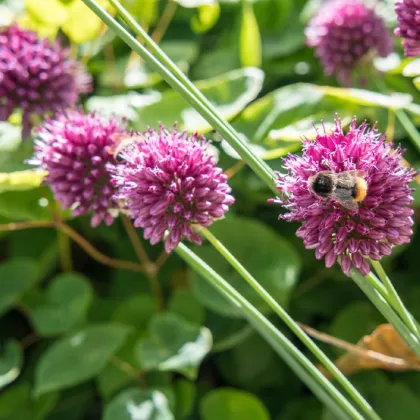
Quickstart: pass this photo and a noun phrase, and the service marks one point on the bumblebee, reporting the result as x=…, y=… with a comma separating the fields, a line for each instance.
x=349, y=188
x=121, y=142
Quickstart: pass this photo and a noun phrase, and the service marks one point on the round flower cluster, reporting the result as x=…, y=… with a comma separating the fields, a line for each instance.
x=344, y=32
x=408, y=16
x=75, y=149
x=37, y=76
x=370, y=229
x=169, y=182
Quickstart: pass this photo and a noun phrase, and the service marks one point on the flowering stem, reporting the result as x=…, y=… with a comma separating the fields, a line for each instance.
x=150, y=268
x=80, y=240
x=296, y=329
x=395, y=299
x=365, y=283
x=65, y=251
x=296, y=360
x=178, y=81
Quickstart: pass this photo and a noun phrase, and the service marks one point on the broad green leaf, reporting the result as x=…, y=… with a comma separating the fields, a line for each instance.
x=78, y=357
x=17, y=402
x=146, y=12
x=230, y=93
x=207, y=16
x=135, y=311
x=17, y=276
x=185, y=392
x=232, y=404
x=21, y=180
x=57, y=11
x=276, y=268
x=138, y=404
x=64, y=305
x=113, y=378
x=398, y=401
x=174, y=345
x=249, y=38
x=11, y=359
x=184, y=303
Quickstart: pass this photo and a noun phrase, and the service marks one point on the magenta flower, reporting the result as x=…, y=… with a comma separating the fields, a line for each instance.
x=345, y=32
x=75, y=148
x=408, y=16
x=347, y=230
x=170, y=183
x=37, y=76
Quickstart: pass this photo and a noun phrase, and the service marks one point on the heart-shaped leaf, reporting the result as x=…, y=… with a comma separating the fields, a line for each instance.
x=11, y=358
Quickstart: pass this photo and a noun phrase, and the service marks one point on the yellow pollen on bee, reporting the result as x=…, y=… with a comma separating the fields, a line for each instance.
x=361, y=189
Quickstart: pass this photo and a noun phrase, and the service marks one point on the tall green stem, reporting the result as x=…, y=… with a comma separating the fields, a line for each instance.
x=385, y=309
x=183, y=86
x=297, y=361
x=288, y=320
x=395, y=300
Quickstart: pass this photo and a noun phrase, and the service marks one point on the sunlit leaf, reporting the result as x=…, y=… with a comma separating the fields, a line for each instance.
x=52, y=12
x=21, y=180
x=174, y=345
x=138, y=404
x=11, y=358
x=195, y=3
x=206, y=17
x=249, y=38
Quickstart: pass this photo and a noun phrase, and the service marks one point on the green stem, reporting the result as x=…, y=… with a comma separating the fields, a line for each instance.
x=64, y=246
x=297, y=361
x=166, y=68
x=385, y=309
x=395, y=299
x=288, y=320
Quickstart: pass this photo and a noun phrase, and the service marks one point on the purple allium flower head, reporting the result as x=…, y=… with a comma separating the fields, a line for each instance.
x=37, y=76
x=170, y=182
x=75, y=149
x=408, y=16
x=344, y=32
x=381, y=221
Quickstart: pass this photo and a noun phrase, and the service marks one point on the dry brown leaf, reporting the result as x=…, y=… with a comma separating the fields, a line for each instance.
x=383, y=349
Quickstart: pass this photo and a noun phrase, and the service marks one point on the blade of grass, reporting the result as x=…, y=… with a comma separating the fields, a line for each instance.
x=365, y=283
x=296, y=360
x=294, y=327
x=206, y=110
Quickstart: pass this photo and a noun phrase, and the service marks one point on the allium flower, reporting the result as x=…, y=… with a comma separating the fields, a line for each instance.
x=381, y=221
x=75, y=148
x=408, y=16
x=344, y=32
x=36, y=76
x=169, y=182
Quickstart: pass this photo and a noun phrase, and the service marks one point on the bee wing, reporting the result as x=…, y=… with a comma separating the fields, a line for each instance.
x=344, y=197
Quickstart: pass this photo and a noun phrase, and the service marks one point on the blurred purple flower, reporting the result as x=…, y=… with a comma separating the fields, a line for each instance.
x=37, y=76
x=408, y=16
x=381, y=221
x=75, y=148
x=168, y=181
x=343, y=33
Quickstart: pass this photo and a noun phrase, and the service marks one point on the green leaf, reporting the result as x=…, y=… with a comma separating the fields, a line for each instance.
x=184, y=303
x=78, y=357
x=174, y=345
x=135, y=311
x=230, y=93
x=276, y=268
x=57, y=11
x=137, y=404
x=249, y=38
x=10, y=137
x=21, y=180
x=232, y=404
x=11, y=359
x=185, y=392
x=17, y=276
x=64, y=305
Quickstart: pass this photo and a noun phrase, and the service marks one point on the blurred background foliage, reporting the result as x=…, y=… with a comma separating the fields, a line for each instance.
x=87, y=341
